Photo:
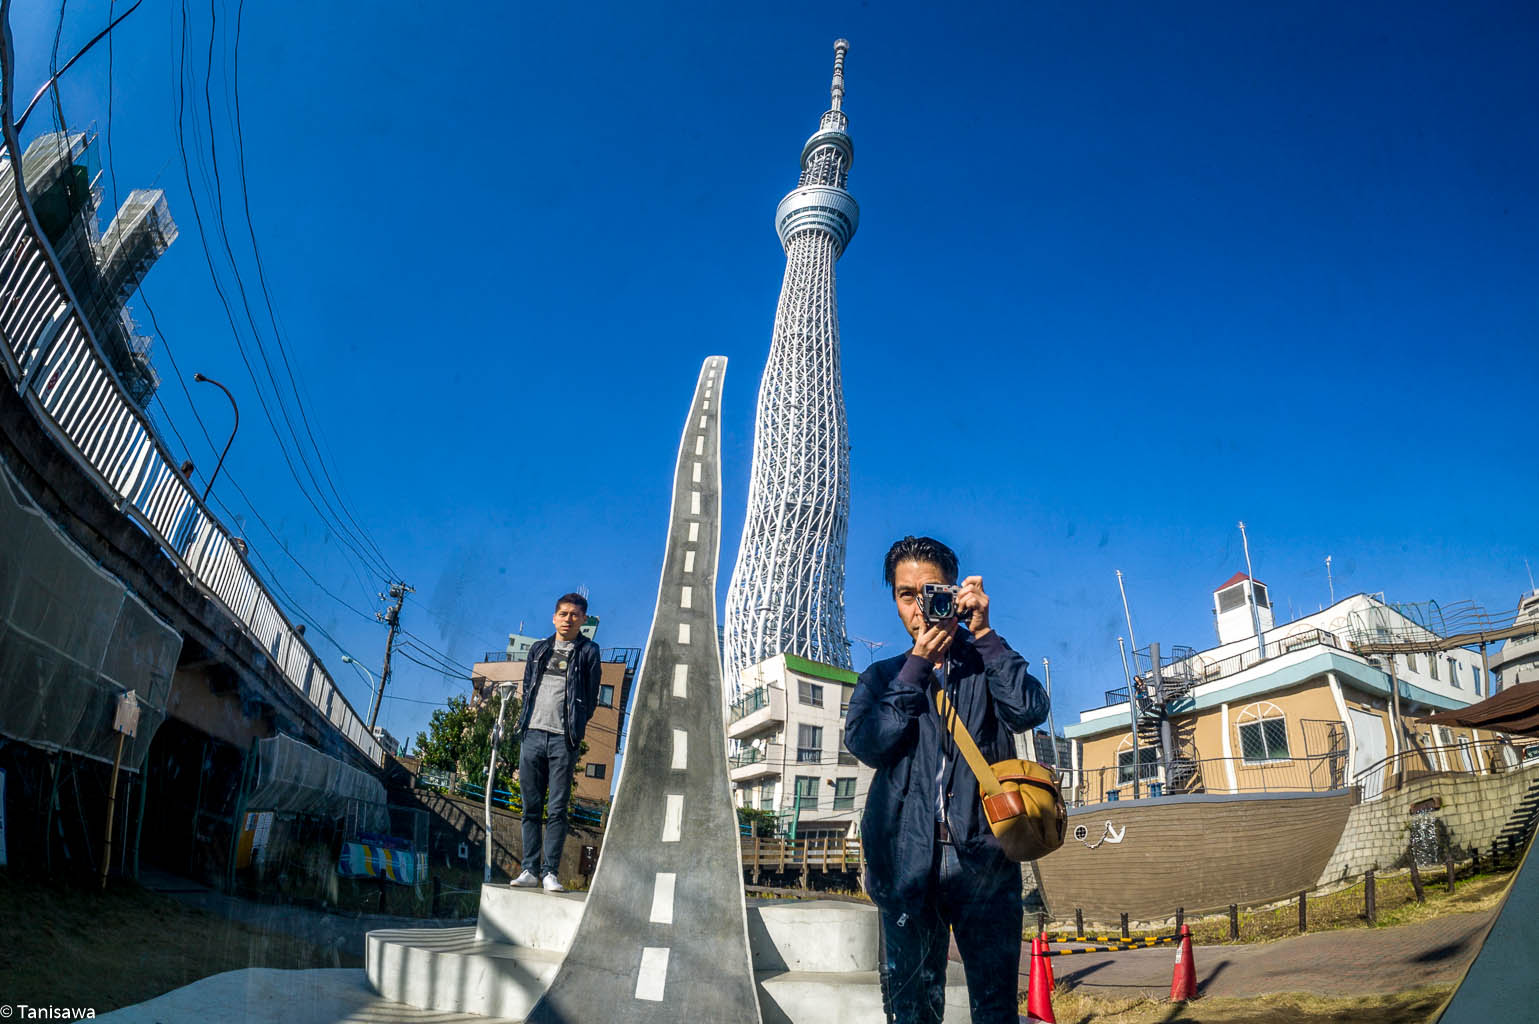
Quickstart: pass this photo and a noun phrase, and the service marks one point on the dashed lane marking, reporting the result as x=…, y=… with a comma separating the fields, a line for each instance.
x=680, y=750
x=683, y=632
x=689, y=560
x=694, y=531
x=662, y=898
x=702, y=423
x=681, y=681
x=686, y=597
x=673, y=818
x=694, y=503
x=653, y=974
x=699, y=444
x=695, y=472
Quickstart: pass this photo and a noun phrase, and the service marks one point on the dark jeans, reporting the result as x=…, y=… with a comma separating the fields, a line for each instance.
x=985, y=914
x=544, y=762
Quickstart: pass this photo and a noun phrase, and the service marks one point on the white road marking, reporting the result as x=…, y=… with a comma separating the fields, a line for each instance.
x=696, y=472
x=702, y=422
x=683, y=632
x=681, y=681
x=705, y=404
x=689, y=559
x=662, y=898
x=699, y=444
x=673, y=818
x=653, y=973
x=694, y=531
x=694, y=503
x=686, y=597
x=680, y=750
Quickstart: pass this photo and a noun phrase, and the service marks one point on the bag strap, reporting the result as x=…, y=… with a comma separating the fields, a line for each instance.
x=987, y=782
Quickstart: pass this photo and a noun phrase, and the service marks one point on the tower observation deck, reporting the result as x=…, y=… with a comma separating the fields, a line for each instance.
x=787, y=589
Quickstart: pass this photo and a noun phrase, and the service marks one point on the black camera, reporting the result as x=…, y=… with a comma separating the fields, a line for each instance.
x=938, y=601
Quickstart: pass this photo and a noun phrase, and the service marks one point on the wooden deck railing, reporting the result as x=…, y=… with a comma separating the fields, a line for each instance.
x=804, y=856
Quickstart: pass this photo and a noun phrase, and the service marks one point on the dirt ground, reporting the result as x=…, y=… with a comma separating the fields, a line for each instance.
x=1417, y=1007
x=72, y=945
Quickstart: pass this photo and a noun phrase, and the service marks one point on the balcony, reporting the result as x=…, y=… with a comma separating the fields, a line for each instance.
x=762, y=708
x=756, y=763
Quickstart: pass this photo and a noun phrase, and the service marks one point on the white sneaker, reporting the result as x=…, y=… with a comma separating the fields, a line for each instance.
x=526, y=881
x=552, y=884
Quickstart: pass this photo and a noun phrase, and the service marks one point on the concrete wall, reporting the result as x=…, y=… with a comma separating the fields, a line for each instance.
x=1473, y=808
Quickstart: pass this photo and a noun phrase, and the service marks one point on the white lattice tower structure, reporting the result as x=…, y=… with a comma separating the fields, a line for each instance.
x=787, y=590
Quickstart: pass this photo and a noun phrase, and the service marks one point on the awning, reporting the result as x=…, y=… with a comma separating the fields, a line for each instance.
x=1514, y=710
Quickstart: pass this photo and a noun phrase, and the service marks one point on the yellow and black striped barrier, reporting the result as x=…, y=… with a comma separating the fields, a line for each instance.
x=1121, y=946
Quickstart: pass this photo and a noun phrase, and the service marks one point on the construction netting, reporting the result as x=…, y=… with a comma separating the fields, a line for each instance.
x=295, y=778
x=72, y=641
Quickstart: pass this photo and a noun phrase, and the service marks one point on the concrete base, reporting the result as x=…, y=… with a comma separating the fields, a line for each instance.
x=813, y=961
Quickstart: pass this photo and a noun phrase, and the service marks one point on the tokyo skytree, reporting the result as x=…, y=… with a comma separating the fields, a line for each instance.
x=787, y=590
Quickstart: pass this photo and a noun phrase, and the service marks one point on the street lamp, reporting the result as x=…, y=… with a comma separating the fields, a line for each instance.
x=503, y=689
x=209, y=380
x=348, y=658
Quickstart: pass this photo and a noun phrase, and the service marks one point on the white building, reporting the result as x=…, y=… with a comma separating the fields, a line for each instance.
x=788, y=728
x=1517, y=661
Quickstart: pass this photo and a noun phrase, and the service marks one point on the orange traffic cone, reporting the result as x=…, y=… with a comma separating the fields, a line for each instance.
x=1183, y=982
x=1039, y=992
x=1047, y=962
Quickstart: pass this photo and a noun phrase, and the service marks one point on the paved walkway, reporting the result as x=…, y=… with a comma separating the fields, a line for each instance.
x=1350, y=961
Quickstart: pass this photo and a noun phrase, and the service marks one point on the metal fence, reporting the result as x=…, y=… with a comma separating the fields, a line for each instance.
x=1466, y=757
x=578, y=811
x=1317, y=774
x=51, y=357
x=1200, y=670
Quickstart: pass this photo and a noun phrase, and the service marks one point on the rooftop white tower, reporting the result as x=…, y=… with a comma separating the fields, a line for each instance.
x=787, y=590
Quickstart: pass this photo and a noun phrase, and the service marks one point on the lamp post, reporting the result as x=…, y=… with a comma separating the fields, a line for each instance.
x=491, y=772
x=209, y=380
x=349, y=659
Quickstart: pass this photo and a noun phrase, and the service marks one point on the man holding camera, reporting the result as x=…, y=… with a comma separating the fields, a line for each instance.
x=933, y=864
x=561, y=684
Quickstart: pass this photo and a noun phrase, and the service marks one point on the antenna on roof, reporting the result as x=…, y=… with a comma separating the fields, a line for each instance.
x=1531, y=587
x=1329, y=579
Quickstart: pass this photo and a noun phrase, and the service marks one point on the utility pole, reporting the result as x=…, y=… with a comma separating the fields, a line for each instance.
x=1329, y=579
x=1132, y=640
x=391, y=618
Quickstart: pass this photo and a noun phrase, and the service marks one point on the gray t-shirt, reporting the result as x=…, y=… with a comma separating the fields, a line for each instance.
x=550, y=697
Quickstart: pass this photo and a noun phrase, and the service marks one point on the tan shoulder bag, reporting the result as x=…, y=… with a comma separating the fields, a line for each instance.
x=1021, y=799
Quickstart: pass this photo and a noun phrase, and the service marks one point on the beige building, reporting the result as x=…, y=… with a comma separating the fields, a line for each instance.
x=617, y=671
x=1297, y=710
x=788, y=733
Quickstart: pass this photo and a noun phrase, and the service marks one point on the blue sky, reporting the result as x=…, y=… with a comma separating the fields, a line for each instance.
x=1124, y=276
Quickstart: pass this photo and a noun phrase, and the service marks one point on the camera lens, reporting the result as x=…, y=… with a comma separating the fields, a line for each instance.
x=942, y=606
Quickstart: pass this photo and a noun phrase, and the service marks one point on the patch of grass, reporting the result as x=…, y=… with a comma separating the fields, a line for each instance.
x=70, y=944
x=1394, y=897
x=1414, y=1007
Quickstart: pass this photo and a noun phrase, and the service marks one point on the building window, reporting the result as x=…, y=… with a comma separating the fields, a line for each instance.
x=844, y=701
x=1148, y=765
x=1453, y=674
x=606, y=695
x=1410, y=661
x=844, y=794
x=593, y=771
x=1263, y=733
x=1432, y=664
x=810, y=694
x=1231, y=598
x=1259, y=589
x=807, y=792
x=845, y=757
x=767, y=797
x=809, y=743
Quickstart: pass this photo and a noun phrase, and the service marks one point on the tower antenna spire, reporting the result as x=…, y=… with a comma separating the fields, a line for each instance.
x=841, y=47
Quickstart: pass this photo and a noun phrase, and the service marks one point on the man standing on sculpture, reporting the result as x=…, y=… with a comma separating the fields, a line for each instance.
x=932, y=864
x=561, y=683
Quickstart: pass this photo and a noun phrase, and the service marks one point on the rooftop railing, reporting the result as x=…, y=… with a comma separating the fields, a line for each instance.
x=1201, y=670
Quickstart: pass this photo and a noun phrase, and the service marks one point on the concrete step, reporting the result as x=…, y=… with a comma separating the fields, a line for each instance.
x=813, y=960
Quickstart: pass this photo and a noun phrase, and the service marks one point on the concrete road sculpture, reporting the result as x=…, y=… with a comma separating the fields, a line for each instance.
x=664, y=934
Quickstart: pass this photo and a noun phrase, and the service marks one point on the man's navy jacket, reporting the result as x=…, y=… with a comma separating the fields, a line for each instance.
x=582, y=685
x=893, y=727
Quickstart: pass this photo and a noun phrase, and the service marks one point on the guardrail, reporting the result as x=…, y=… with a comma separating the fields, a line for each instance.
x=1468, y=757
x=1316, y=774
x=577, y=810
x=51, y=357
